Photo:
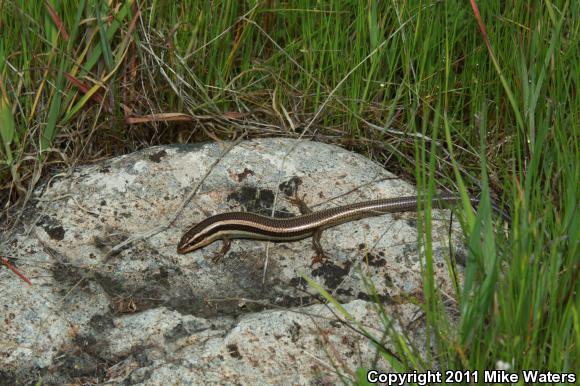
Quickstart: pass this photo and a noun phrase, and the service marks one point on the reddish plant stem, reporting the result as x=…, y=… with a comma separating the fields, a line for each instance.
x=13, y=269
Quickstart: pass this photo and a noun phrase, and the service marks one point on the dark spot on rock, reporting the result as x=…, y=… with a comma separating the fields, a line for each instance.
x=162, y=277
x=157, y=156
x=335, y=323
x=103, y=202
x=243, y=175
x=298, y=282
x=388, y=280
x=266, y=198
x=361, y=246
x=105, y=169
x=380, y=298
x=101, y=323
x=294, y=331
x=52, y=227
x=176, y=333
x=85, y=342
x=257, y=201
x=287, y=301
x=244, y=195
x=375, y=261
x=44, y=220
x=344, y=291
x=81, y=364
x=143, y=360
x=290, y=187
x=65, y=273
x=234, y=351
x=333, y=274
x=363, y=296
x=111, y=286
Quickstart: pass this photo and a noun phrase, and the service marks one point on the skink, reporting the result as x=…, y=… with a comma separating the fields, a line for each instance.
x=244, y=225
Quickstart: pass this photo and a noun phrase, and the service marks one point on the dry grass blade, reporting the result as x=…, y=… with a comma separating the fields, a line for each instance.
x=57, y=21
x=182, y=117
x=162, y=117
x=84, y=88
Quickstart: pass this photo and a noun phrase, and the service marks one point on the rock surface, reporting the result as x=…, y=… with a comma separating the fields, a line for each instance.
x=148, y=315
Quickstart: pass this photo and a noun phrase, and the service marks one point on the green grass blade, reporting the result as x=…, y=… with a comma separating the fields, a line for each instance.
x=7, y=126
x=104, y=38
x=50, y=130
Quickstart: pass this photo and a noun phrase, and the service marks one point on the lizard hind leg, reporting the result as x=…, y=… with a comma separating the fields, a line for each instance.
x=222, y=252
x=320, y=256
